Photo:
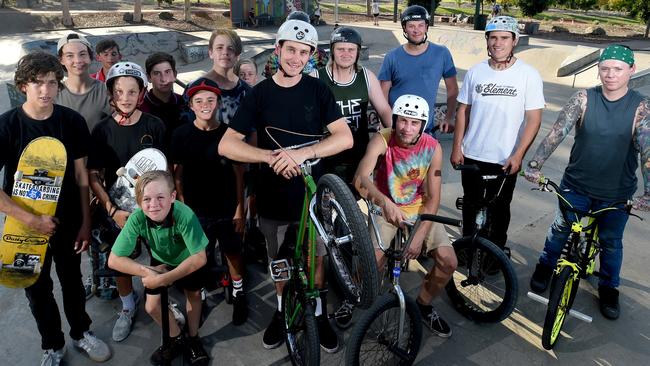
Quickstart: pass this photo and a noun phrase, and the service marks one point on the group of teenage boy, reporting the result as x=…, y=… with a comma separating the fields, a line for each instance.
x=221, y=126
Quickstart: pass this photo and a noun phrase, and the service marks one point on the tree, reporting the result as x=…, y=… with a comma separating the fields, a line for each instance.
x=640, y=9
x=66, y=18
x=186, y=10
x=530, y=8
x=137, y=11
x=430, y=5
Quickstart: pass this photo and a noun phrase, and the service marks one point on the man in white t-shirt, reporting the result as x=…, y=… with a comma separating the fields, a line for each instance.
x=499, y=114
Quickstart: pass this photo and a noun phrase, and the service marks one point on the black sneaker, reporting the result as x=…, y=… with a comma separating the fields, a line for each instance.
x=195, y=352
x=329, y=341
x=343, y=315
x=239, y=309
x=274, y=333
x=433, y=321
x=541, y=278
x=175, y=349
x=609, y=306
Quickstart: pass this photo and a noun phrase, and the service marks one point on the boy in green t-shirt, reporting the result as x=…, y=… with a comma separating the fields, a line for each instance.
x=177, y=245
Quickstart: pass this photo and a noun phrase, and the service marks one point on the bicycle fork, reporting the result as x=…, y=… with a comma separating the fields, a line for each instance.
x=397, y=270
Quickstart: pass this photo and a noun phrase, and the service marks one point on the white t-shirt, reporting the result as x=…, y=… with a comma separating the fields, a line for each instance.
x=499, y=100
x=375, y=8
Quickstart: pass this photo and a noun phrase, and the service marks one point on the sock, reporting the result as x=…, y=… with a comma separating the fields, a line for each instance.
x=279, y=302
x=319, y=307
x=237, y=286
x=128, y=302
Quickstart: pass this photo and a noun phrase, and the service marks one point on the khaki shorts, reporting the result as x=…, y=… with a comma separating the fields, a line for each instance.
x=275, y=231
x=436, y=238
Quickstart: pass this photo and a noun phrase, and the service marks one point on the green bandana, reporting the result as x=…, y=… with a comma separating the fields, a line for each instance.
x=617, y=52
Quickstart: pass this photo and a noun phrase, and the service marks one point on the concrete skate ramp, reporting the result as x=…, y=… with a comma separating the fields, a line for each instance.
x=580, y=59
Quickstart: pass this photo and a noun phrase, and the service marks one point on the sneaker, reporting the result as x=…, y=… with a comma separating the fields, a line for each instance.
x=329, y=341
x=609, y=306
x=434, y=322
x=343, y=315
x=52, y=357
x=541, y=278
x=239, y=309
x=161, y=356
x=89, y=287
x=195, y=352
x=124, y=322
x=274, y=333
x=94, y=347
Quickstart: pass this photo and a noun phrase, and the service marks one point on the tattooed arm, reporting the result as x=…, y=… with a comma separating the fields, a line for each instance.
x=570, y=114
x=642, y=144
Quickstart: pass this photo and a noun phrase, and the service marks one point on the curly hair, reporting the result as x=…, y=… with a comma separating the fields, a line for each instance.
x=36, y=64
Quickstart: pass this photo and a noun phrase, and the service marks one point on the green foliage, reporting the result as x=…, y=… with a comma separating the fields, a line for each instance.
x=530, y=8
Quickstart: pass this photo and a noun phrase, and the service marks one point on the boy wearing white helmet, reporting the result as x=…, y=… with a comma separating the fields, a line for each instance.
x=303, y=105
x=114, y=141
x=407, y=167
x=499, y=114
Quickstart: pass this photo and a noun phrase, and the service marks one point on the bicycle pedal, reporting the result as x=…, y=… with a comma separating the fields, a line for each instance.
x=280, y=270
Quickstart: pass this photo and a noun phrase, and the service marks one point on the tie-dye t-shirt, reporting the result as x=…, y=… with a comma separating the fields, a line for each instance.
x=403, y=170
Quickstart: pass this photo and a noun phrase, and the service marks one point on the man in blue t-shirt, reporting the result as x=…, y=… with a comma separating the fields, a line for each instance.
x=417, y=67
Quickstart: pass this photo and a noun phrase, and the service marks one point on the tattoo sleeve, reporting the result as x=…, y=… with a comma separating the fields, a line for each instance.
x=642, y=141
x=570, y=114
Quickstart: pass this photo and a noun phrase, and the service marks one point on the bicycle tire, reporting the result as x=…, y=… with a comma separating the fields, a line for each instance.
x=563, y=292
x=374, y=337
x=353, y=263
x=301, y=330
x=491, y=293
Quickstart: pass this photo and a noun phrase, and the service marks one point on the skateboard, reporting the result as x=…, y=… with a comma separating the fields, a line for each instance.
x=105, y=230
x=37, y=186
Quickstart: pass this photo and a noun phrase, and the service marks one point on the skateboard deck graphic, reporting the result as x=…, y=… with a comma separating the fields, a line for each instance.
x=122, y=192
x=37, y=186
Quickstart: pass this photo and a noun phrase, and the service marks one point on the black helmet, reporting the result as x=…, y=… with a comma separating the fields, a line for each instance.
x=299, y=15
x=415, y=12
x=346, y=34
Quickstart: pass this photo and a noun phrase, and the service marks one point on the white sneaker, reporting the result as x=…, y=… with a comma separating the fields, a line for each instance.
x=124, y=322
x=94, y=347
x=52, y=357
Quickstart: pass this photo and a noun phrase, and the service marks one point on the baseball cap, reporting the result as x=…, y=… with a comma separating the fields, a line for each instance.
x=72, y=38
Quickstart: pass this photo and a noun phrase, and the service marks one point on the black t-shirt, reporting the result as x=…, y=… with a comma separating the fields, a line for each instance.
x=113, y=145
x=169, y=112
x=306, y=108
x=209, y=185
x=17, y=130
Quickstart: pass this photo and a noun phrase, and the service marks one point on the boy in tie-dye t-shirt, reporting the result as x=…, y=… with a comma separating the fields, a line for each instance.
x=407, y=167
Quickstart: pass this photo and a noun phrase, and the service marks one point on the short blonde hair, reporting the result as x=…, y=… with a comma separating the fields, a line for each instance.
x=150, y=176
x=230, y=34
x=246, y=61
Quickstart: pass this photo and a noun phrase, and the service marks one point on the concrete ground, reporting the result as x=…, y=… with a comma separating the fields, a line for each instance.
x=515, y=341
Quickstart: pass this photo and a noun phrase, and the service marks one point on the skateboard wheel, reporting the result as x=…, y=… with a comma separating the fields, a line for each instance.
x=121, y=172
x=18, y=175
x=58, y=181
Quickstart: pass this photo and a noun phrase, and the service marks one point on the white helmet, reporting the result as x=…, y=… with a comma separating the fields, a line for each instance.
x=297, y=31
x=503, y=23
x=412, y=106
x=126, y=69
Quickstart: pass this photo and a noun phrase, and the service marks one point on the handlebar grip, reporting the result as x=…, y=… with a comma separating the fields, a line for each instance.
x=467, y=167
x=441, y=219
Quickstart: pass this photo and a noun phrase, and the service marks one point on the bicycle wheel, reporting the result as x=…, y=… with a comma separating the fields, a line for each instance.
x=484, y=286
x=563, y=292
x=375, y=338
x=353, y=262
x=301, y=331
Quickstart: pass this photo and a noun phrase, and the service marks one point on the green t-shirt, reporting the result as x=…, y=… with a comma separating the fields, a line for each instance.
x=171, y=242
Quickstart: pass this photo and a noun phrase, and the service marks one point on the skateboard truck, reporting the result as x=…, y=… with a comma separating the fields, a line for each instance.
x=574, y=313
x=280, y=270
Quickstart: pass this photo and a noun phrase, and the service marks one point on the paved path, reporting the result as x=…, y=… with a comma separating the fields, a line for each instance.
x=515, y=341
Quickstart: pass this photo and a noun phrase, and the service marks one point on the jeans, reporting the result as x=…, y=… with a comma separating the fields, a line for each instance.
x=499, y=211
x=41, y=298
x=610, y=233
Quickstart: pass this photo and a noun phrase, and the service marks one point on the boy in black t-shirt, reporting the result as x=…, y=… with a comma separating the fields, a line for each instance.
x=212, y=185
x=302, y=105
x=114, y=141
x=39, y=76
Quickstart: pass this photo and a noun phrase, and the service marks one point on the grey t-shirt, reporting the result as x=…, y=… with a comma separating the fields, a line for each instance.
x=92, y=105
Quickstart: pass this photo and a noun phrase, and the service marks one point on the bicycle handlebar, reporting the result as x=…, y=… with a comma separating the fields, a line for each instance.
x=467, y=167
x=308, y=162
x=442, y=220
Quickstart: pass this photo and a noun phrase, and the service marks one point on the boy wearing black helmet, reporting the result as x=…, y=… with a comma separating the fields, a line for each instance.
x=417, y=67
x=114, y=141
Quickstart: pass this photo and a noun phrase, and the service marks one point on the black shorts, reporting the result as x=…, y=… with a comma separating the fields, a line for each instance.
x=222, y=230
x=192, y=282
